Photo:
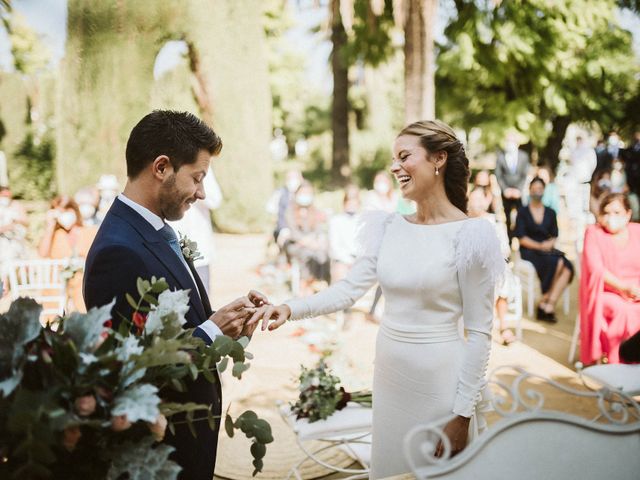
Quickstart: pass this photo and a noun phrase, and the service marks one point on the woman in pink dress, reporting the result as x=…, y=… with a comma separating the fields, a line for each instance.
x=610, y=283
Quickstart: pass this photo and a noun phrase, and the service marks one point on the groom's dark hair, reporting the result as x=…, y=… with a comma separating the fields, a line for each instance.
x=178, y=135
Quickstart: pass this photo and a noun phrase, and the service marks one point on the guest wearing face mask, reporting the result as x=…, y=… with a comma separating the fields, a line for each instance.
x=65, y=237
x=383, y=196
x=537, y=230
x=610, y=282
x=280, y=201
x=305, y=240
x=512, y=167
x=342, y=235
x=482, y=185
x=88, y=199
x=600, y=187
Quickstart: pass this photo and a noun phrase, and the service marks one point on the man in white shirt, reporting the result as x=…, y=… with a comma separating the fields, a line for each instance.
x=168, y=156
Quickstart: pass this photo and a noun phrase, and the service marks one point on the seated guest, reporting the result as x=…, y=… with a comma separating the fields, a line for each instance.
x=342, y=234
x=600, y=187
x=551, y=196
x=537, y=231
x=65, y=236
x=305, y=239
x=610, y=283
x=482, y=183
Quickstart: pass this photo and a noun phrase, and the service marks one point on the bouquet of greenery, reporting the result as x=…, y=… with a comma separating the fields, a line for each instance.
x=320, y=397
x=83, y=401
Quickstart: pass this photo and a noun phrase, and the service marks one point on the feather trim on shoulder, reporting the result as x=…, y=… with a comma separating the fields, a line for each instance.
x=477, y=243
x=370, y=231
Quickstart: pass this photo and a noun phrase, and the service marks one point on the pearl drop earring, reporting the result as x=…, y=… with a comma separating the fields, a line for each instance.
x=437, y=171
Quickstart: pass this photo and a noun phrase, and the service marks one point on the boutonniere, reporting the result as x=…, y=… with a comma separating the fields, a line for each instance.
x=189, y=249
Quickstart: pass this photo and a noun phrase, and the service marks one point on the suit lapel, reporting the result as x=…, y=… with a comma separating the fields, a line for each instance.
x=203, y=291
x=160, y=249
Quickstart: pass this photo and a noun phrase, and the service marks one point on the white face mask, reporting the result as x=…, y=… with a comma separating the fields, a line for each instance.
x=67, y=220
x=381, y=187
x=87, y=211
x=304, y=200
x=5, y=201
x=615, y=223
x=617, y=166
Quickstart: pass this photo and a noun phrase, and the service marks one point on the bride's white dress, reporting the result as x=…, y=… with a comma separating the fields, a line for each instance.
x=431, y=276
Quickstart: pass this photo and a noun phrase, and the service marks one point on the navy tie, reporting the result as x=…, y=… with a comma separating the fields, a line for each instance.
x=172, y=239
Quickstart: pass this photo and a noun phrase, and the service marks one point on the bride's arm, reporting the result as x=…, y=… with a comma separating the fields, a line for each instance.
x=480, y=264
x=342, y=294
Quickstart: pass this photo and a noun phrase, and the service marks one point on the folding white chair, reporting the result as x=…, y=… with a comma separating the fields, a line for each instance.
x=348, y=429
x=615, y=376
x=527, y=273
x=42, y=280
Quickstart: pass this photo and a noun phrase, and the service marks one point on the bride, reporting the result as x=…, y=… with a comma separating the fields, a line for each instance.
x=434, y=267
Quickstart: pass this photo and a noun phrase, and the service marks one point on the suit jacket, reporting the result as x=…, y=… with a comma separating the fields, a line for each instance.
x=512, y=179
x=127, y=247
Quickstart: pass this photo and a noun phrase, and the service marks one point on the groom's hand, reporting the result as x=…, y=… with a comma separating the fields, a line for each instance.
x=231, y=318
x=258, y=299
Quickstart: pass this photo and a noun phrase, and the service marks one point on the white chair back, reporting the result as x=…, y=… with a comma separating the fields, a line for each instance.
x=529, y=442
x=41, y=279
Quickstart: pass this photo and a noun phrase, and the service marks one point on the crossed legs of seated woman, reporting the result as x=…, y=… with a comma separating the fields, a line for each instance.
x=560, y=281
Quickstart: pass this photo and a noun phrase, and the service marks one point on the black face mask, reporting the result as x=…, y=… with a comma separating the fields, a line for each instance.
x=535, y=196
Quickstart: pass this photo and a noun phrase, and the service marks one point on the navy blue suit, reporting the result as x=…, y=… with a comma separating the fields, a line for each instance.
x=127, y=247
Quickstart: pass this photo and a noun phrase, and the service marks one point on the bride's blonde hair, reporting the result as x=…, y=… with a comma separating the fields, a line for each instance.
x=436, y=136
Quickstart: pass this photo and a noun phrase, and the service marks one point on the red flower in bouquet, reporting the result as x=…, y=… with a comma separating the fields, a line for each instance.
x=139, y=319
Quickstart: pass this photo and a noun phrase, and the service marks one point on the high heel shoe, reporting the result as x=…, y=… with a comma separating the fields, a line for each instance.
x=546, y=316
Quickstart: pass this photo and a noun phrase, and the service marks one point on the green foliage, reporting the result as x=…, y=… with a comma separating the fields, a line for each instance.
x=370, y=41
x=30, y=54
x=31, y=169
x=83, y=401
x=142, y=460
x=524, y=64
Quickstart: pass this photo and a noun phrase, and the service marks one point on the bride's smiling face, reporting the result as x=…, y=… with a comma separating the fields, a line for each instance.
x=413, y=167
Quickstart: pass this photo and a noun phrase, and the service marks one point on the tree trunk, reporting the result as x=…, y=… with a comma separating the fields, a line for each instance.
x=549, y=154
x=340, y=170
x=419, y=60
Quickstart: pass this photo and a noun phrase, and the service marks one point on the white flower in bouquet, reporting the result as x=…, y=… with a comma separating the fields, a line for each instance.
x=129, y=346
x=139, y=402
x=170, y=304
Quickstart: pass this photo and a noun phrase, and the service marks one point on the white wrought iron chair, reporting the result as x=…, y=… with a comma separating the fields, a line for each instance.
x=41, y=279
x=348, y=429
x=529, y=442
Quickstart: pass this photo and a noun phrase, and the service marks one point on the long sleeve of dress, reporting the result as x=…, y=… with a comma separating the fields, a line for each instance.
x=480, y=264
x=360, y=278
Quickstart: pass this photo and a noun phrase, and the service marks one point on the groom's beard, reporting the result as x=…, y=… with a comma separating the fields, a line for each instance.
x=173, y=203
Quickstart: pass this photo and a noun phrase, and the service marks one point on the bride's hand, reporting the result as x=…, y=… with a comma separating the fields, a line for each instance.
x=457, y=430
x=279, y=314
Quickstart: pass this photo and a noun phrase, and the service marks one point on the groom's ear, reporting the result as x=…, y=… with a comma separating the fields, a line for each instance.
x=161, y=167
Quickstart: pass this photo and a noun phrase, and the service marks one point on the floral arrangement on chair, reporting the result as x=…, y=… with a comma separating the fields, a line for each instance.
x=320, y=397
x=85, y=401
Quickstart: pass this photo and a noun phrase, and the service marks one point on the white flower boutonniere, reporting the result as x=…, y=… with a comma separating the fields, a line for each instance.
x=189, y=249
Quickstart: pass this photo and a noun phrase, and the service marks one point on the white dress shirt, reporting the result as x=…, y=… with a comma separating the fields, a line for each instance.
x=211, y=329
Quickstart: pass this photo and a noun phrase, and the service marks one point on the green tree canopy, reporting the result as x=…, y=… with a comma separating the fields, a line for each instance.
x=536, y=66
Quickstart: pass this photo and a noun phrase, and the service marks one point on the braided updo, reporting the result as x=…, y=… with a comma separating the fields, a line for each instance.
x=436, y=136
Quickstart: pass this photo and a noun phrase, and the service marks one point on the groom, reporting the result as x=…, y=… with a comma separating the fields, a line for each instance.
x=168, y=155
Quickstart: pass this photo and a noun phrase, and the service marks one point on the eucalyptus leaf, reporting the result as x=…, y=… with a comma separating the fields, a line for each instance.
x=19, y=326
x=222, y=365
x=228, y=425
x=139, y=402
x=142, y=461
x=239, y=368
x=85, y=329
